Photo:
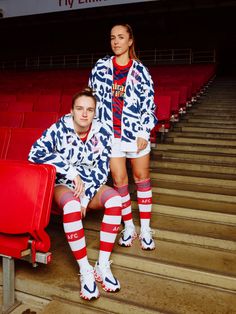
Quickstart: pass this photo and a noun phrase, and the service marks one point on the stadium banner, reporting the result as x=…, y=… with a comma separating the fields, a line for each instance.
x=13, y=8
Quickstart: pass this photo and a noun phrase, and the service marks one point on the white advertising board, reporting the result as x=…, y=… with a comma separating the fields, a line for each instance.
x=13, y=8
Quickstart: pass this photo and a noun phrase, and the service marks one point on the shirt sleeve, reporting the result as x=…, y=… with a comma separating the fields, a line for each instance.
x=45, y=151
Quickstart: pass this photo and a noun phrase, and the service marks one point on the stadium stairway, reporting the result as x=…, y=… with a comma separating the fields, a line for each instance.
x=193, y=269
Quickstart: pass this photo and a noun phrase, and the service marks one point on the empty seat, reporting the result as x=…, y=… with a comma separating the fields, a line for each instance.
x=21, y=140
x=66, y=102
x=26, y=198
x=7, y=97
x=48, y=102
x=163, y=113
x=11, y=119
x=21, y=106
x=4, y=105
x=39, y=119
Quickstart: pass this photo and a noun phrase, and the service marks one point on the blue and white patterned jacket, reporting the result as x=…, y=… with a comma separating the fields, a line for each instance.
x=138, y=116
x=60, y=146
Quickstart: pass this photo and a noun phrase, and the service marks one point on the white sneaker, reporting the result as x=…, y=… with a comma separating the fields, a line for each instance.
x=89, y=289
x=128, y=236
x=146, y=240
x=104, y=275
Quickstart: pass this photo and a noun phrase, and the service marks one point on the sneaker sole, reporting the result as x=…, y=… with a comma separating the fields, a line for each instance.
x=87, y=298
x=99, y=279
x=129, y=244
x=147, y=249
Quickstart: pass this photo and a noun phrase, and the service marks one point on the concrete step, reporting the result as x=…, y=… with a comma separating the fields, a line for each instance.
x=202, y=141
x=200, y=157
x=200, y=113
x=193, y=214
x=192, y=166
x=205, y=130
x=216, y=103
x=198, y=184
x=182, y=147
x=204, y=124
x=214, y=121
x=221, y=136
x=230, y=199
x=63, y=306
x=203, y=106
x=195, y=200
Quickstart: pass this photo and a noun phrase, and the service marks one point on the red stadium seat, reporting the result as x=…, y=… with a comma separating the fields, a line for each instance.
x=39, y=119
x=7, y=97
x=11, y=119
x=21, y=140
x=21, y=106
x=27, y=199
x=163, y=113
x=66, y=101
x=4, y=105
x=48, y=102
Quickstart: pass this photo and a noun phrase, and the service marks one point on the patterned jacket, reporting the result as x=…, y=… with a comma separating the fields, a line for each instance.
x=61, y=147
x=138, y=116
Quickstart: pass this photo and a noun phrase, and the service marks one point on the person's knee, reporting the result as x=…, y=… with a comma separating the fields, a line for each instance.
x=110, y=198
x=141, y=176
x=68, y=197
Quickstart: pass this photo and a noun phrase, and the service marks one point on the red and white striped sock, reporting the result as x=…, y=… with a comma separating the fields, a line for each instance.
x=111, y=200
x=73, y=228
x=144, y=195
x=126, y=205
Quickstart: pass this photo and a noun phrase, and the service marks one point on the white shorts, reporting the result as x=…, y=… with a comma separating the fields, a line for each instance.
x=117, y=152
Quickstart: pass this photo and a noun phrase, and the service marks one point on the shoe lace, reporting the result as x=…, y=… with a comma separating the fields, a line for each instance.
x=87, y=275
x=128, y=230
x=106, y=268
x=147, y=233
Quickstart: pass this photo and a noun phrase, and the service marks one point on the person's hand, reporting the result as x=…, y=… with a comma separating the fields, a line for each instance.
x=141, y=144
x=83, y=211
x=79, y=186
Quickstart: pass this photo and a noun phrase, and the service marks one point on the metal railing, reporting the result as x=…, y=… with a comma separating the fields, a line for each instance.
x=148, y=57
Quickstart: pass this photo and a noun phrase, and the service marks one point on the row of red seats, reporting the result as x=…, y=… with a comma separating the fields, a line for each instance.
x=52, y=101
x=28, y=119
x=178, y=87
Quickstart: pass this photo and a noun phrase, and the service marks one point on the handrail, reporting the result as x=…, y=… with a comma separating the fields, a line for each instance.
x=148, y=57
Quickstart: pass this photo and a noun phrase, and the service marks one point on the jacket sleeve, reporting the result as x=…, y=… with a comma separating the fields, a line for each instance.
x=99, y=173
x=148, y=107
x=45, y=151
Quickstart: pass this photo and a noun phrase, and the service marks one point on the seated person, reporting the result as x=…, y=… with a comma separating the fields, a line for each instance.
x=79, y=147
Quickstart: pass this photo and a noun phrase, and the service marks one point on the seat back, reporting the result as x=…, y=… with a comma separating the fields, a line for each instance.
x=26, y=200
x=21, y=106
x=21, y=140
x=163, y=107
x=11, y=119
x=47, y=102
x=39, y=119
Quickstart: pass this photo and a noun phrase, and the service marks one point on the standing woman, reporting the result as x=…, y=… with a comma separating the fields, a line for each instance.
x=125, y=102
